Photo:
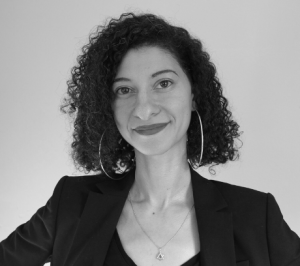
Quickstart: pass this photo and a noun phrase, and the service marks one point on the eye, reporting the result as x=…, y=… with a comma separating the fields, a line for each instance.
x=164, y=84
x=122, y=90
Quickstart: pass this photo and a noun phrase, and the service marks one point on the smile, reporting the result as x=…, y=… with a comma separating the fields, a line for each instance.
x=151, y=129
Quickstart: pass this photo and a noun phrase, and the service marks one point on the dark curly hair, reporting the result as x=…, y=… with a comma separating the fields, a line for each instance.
x=90, y=95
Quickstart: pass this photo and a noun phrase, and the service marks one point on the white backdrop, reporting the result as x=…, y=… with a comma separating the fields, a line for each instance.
x=254, y=44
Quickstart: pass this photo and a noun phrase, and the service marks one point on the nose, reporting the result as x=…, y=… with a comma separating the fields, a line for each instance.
x=145, y=106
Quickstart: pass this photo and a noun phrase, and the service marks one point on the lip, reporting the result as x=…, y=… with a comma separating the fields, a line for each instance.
x=151, y=129
x=152, y=126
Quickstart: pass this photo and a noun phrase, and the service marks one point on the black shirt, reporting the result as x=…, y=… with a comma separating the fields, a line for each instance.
x=116, y=255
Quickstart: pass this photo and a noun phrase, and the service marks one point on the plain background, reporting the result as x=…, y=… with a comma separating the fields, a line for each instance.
x=254, y=44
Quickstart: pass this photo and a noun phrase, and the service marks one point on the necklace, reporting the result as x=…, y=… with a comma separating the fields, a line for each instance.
x=160, y=255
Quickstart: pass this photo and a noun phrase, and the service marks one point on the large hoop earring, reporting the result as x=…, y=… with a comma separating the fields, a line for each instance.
x=101, y=165
x=202, y=137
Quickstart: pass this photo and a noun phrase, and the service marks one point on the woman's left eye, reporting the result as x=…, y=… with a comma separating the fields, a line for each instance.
x=164, y=84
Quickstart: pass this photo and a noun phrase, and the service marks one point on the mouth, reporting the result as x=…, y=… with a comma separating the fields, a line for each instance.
x=151, y=129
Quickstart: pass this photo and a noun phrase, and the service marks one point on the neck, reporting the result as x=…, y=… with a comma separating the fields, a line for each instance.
x=161, y=180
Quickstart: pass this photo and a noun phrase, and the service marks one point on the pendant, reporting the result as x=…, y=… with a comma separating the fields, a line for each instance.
x=160, y=256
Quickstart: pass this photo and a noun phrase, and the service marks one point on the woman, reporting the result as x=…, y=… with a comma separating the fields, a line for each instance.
x=148, y=109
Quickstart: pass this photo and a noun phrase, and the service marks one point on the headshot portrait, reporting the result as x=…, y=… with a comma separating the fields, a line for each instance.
x=150, y=134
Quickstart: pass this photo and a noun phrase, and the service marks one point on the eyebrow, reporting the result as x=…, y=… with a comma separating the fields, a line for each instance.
x=162, y=72
x=153, y=75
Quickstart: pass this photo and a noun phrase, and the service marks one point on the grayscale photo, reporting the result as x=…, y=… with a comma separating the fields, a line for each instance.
x=150, y=133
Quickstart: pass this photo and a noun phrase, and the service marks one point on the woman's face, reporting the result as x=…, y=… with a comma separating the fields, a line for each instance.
x=151, y=88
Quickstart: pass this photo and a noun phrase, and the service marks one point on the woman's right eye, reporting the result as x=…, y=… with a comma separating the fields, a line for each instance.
x=122, y=90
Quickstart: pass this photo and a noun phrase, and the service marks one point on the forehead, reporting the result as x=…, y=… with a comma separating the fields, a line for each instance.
x=146, y=60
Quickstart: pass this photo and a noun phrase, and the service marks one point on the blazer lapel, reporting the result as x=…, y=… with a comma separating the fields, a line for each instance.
x=102, y=211
x=98, y=222
x=214, y=223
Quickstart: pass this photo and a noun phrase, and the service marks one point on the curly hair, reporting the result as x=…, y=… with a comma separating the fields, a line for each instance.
x=89, y=95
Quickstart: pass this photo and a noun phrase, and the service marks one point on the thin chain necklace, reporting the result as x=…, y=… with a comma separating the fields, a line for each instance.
x=160, y=255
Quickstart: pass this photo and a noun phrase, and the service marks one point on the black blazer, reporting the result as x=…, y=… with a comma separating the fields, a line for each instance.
x=237, y=226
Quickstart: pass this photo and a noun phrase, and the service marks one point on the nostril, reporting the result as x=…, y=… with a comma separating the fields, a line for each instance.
x=145, y=111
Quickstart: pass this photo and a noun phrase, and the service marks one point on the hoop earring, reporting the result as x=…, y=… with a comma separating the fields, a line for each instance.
x=202, y=137
x=101, y=165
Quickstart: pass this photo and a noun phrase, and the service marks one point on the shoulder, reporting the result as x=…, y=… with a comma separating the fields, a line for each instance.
x=83, y=182
x=234, y=192
x=71, y=194
x=76, y=188
x=249, y=208
x=242, y=199
x=79, y=187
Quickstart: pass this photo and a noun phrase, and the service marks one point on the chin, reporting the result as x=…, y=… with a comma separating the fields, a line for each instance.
x=152, y=148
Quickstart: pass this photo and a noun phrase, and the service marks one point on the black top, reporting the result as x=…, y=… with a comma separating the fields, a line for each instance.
x=239, y=226
x=116, y=255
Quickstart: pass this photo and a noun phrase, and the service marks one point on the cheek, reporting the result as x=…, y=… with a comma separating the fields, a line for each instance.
x=120, y=115
x=182, y=112
x=116, y=112
x=118, y=119
x=184, y=115
x=181, y=104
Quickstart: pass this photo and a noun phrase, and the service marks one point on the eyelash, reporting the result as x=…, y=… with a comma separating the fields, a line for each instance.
x=165, y=80
x=121, y=89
